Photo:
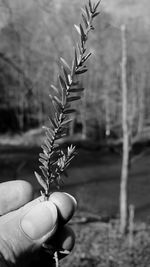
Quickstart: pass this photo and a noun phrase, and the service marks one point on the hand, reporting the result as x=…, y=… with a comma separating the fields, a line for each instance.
x=31, y=230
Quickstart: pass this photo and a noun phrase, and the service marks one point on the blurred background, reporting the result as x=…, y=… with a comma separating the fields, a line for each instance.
x=34, y=34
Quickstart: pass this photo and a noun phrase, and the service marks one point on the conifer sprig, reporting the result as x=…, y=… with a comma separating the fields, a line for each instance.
x=54, y=160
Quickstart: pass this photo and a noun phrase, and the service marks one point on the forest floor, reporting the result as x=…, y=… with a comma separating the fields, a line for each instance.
x=99, y=244
x=94, y=180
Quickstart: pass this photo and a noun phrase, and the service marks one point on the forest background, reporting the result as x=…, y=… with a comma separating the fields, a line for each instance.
x=35, y=34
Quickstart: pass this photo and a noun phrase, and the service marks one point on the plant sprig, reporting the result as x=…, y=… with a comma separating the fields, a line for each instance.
x=54, y=160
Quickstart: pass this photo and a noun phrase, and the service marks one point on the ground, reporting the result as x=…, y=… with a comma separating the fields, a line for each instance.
x=93, y=178
x=100, y=245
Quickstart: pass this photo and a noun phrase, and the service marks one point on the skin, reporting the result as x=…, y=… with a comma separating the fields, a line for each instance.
x=27, y=224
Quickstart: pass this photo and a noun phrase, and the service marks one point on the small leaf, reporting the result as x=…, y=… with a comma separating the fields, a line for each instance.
x=73, y=98
x=66, y=122
x=66, y=76
x=41, y=181
x=80, y=51
x=85, y=21
x=83, y=46
x=87, y=56
x=90, y=6
x=65, y=64
x=95, y=14
x=45, y=150
x=69, y=78
x=68, y=111
x=53, y=163
x=92, y=28
x=57, y=106
x=64, y=128
x=75, y=90
x=58, y=101
x=49, y=133
x=62, y=83
x=83, y=35
x=77, y=29
x=87, y=12
x=96, y=6
x=74, y=83
x=84, y=12
x=75, y=63
x=49, y=138
x=56, y=90
x=45, y=164
x=61, y=134
x=70, y=158
x=81, y=71
x=52, y=154
x=63, y=88
x=44, y=171
x=70, y=150
x=56, y=145
x=48, y=144
x=54, y=108
x=43, y=156
x=76, y=57
x=47, y=129
x=53, y=122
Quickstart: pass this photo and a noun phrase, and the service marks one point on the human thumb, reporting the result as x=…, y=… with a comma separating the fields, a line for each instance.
x=40, y=222
x=25, y=230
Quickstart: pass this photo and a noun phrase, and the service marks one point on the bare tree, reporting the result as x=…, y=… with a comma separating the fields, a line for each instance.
x=125, y=128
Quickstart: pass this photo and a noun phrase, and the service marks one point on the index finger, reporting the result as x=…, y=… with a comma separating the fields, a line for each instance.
x=66, y=205
x=14, y=194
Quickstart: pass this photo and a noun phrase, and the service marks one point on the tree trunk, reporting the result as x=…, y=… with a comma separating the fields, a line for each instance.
x=125, y=156
x=72, y=126
x=141, y=103
x=83, y=118
x=107, y=115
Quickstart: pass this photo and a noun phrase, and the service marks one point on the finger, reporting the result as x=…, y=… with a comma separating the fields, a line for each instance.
x=66, y=205
x=14, y=194
x=63, y=240
x=66, y=242
x=26, y=231
x=40, y=221
x=27, y=228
